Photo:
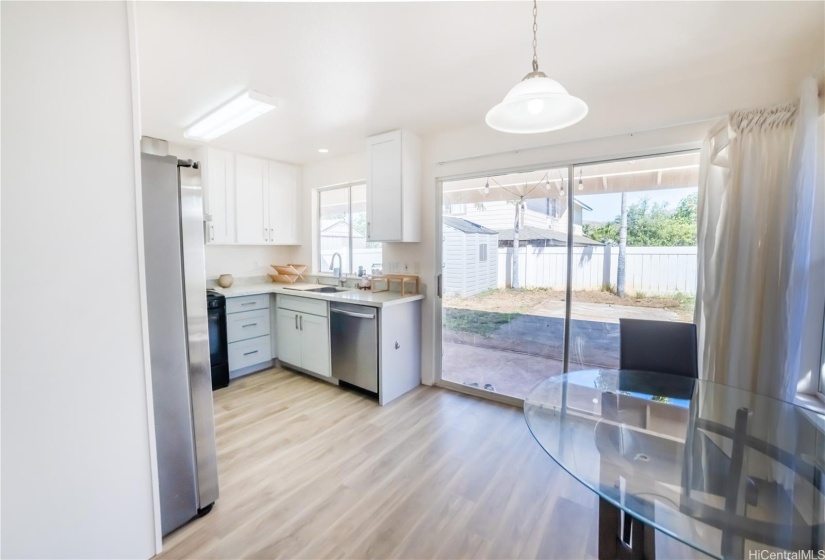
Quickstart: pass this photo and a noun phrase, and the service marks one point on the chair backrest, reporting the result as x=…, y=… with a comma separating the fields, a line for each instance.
x=660, y=346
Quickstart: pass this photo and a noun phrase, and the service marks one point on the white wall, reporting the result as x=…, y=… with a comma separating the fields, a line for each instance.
x=76, y=468
x=248, y=260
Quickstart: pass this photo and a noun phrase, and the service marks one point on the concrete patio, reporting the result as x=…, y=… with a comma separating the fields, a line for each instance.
x=529, y=348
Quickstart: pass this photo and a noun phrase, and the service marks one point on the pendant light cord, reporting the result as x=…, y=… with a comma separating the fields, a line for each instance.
x=535, y=29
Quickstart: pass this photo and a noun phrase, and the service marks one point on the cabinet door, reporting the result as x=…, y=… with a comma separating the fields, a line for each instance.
x=250, y=183
x=283, y=204
x=219, y=196
x=384, y=187
x=289, y=337
x=315, y=344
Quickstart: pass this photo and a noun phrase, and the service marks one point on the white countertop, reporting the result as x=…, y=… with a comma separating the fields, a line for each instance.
x=361, y=297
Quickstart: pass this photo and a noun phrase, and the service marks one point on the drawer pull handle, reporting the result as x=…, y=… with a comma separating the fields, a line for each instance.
x=249, y=303
x=249, y=325
x=248, y=353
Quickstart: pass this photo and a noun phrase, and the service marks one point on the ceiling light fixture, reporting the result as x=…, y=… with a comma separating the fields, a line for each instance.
x=323, y=151
x=537, y=103
x=581, y=186
x=487, y=187
x=231, y=115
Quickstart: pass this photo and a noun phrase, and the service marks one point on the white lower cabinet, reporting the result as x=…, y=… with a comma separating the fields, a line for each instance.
x=248, y=334
x=303, y=334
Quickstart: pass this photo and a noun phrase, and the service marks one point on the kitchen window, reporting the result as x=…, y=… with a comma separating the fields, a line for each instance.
x=342, y=229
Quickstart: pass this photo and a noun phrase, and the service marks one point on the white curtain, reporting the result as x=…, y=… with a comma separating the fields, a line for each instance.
x=756, y=195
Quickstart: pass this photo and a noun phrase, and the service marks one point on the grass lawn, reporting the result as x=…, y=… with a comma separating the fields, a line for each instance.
x=475, y=322
x=485, y=312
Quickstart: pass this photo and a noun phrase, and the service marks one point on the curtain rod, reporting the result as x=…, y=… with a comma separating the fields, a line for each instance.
x=547, y=146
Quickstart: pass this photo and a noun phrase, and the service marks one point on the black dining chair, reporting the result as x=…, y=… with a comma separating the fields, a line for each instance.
x=651, y=346
x=660, y=346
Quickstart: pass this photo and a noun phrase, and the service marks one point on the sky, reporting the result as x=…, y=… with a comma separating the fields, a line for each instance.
x=607, y=206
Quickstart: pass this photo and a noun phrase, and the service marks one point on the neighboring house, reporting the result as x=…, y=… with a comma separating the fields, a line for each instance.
x=335, y=234
x=470, y=257
x=538, y=237
x=546, y=213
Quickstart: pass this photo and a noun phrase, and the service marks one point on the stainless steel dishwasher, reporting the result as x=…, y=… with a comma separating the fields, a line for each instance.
x=354, y=330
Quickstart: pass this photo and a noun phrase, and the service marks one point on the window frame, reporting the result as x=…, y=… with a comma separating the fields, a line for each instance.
x=484, y=247
x=317, y=259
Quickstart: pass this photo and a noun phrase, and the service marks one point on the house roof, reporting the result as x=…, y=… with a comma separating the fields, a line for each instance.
x=467, y=226
x=582, y=204
x=332, y=227
x=529, y=233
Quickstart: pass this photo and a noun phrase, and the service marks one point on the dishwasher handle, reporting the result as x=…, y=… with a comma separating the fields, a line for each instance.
x=353, y=314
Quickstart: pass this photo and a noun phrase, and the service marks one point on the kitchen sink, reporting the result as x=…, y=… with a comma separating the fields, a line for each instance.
x=328, y=289
x=322, y=289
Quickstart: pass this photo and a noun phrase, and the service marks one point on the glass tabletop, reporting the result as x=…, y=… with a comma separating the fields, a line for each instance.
x=718, y=468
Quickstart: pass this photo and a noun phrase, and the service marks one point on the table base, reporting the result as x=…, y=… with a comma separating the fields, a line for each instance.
x=636, y=542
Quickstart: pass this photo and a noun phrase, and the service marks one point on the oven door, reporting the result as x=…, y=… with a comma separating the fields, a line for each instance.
x=218, y=353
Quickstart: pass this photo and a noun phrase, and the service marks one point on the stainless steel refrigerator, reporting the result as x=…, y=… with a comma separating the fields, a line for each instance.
x=178, y=338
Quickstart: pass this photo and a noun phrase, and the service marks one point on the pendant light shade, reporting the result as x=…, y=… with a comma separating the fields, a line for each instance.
x=537, y=103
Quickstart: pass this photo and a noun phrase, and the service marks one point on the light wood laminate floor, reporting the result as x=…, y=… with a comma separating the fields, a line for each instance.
x=309, y=470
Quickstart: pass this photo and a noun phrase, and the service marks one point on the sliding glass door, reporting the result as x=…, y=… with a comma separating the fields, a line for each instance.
x=628, y=230
x=502, y=309
x=634, y=251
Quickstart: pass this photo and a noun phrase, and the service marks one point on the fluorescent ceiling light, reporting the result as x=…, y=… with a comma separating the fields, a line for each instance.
x=231, y=115
x=323, y=151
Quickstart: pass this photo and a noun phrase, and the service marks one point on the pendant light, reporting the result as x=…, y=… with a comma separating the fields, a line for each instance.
x=537, y=103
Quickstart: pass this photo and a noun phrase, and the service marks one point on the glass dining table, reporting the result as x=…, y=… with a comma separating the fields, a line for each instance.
x=725, y=471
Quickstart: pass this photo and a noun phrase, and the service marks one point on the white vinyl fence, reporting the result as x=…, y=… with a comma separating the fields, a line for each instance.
x=652, y=270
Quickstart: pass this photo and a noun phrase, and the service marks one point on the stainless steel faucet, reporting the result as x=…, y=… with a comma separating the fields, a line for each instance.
x=339, y=272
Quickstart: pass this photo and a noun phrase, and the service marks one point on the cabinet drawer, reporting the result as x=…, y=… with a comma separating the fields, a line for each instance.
x=247, y=303
x=249, y=352
x=303, y=305
x=247, y=324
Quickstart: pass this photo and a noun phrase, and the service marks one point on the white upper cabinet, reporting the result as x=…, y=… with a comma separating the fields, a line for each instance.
x=252, y=201
x=283, y=202
x=219, y=195
x=250, y=185
x=394, y=187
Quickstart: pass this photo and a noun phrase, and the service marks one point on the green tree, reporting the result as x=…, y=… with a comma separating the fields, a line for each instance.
x=652, y=225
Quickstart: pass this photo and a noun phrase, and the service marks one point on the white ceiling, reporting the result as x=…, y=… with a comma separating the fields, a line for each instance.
x=344, y=71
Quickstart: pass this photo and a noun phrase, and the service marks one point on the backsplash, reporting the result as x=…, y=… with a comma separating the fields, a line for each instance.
x=245, y=261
